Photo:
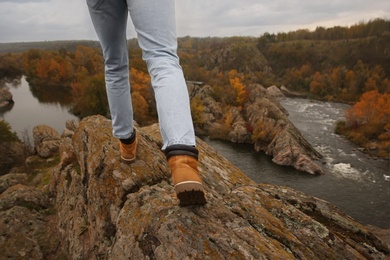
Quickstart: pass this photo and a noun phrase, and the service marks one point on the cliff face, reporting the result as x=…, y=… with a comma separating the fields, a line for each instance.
x=107, y=209
x=262, y=122
x=119, y=211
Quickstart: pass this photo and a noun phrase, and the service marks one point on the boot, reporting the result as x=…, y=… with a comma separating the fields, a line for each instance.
x=128, y=148
x=183, y=162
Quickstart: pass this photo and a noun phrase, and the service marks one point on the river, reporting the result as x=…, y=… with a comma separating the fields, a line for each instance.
x=34, y=107
x=356, y=183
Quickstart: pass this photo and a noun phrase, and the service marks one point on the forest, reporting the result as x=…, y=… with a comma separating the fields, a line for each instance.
x=341, y=64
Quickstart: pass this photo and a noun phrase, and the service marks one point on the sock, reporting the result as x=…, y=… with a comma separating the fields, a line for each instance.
x=129, y=140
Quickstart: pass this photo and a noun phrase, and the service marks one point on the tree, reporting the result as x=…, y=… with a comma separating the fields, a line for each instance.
x=197, y=111
x=318, y=86
x=90, y=96
x=140, y=107
x=6, y=134
x=371, y=114
x=238, y=88
x=350, y=90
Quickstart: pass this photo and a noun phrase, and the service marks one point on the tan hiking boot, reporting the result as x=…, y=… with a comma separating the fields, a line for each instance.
x=186, y=179
x=128, y=151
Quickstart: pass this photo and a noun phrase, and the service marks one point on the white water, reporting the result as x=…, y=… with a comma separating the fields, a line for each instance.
x=356, y=183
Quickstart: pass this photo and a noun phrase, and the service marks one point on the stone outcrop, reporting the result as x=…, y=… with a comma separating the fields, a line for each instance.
x=277, y=136
x=70, y=127
x=96, y=207
x=115, y=210
x=264, y=123
x=12, y=179
x=46, y=140
x=288, y=93
x=27, y=229
x=275, y=92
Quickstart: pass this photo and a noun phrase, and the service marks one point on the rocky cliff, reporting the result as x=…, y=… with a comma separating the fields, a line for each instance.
x=263, y=122
x=96, y=207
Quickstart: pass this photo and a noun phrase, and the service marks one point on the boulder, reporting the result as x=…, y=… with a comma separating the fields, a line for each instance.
x=46, y=140
x=112, y=210
x=25, y=196
x=70, y=127
x=238, y=132
x=11, y=179
x=27, y=227
x=274, y=91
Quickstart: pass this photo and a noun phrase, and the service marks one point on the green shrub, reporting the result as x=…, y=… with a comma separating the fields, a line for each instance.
x=6, y=134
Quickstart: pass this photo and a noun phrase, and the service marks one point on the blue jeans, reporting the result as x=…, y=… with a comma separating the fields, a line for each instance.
x=154, y=22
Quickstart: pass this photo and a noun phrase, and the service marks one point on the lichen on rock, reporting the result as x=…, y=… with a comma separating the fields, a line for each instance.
x=118, y=211
x=96, y=207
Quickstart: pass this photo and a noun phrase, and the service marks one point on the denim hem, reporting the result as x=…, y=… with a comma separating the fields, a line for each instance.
x=123, y=136
x=190, y=143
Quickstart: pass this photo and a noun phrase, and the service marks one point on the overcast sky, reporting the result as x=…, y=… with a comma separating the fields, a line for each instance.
x=47, y=20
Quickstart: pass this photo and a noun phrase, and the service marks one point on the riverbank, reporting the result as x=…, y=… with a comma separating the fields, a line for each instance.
x=375, y=148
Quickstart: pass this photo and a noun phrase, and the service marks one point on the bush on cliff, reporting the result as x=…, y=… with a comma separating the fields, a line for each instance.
x=6, y=134
x=9, y=142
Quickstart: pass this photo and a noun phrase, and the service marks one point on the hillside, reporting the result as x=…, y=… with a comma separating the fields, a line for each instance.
x=18, y=47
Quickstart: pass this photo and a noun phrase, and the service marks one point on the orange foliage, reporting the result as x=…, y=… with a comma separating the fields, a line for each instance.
x=239, y=89
x=140, y=107
x=318, y=86
x=371, y=114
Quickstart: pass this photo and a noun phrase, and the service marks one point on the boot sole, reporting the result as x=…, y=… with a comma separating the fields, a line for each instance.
x=190, y=193
x=127, y=160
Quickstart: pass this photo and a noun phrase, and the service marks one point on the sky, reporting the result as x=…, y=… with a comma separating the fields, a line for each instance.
x=49, y=20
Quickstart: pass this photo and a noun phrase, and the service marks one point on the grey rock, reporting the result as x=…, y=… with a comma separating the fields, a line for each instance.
x=11, y=179
x=275, y=92
x=46, y=140
x=113, y=210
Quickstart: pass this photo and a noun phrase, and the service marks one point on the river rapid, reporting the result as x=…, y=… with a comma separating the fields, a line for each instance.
x=356, y=183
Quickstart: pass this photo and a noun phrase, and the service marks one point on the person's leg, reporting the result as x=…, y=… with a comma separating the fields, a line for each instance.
x=109, y=18
x=154, y=21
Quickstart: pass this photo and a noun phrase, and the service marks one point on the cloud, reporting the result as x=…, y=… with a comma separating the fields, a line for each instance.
x=39, y=20
x=22, y=1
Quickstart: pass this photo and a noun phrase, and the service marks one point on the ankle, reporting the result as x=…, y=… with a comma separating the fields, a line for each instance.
x=181, y=149
x=129, y=140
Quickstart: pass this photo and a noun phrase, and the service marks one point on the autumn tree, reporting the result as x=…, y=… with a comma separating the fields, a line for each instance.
x=91, y=98
x=239, y=92
x=299, y=78
x=140, y=84
x=140, y=108
x=88, y=58
x=319, y=85
x=337, y=80
x=10, y=65
x=371, y=114
x=197, y=111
